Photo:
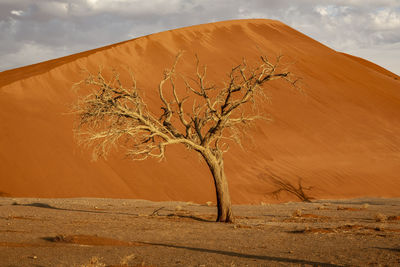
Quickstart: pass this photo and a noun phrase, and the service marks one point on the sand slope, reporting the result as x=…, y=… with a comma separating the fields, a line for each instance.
x=341, y=136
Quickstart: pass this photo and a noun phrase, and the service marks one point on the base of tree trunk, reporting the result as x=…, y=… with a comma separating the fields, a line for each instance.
x=226, y=218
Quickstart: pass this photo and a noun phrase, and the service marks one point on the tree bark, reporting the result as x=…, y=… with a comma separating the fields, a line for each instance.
x=224, y=205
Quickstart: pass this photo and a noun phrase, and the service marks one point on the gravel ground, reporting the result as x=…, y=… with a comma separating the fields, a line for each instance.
x=126, y=232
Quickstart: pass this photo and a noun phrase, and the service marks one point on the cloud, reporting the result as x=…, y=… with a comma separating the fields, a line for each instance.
x=31, y=53
x=17, y=12
x=386, y=19
x=40, y=30
x=386, y=55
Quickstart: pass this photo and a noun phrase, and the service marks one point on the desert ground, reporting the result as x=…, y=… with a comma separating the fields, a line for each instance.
x=127, y=232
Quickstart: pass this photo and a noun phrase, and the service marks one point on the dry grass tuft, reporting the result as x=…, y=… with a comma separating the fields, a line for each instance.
x=297, y=213
x=94, y=262
x=379, y=217
x=178, y=208
x=365, y=206
x=128, y=258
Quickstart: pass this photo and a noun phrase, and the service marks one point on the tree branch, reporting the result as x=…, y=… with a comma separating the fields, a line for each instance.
x=112, y=113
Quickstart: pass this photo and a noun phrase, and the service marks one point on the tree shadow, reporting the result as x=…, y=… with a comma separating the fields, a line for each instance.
x=192, y=217
x=246, y=256
x=397, y=249
x=47, y=206
x=184, y=216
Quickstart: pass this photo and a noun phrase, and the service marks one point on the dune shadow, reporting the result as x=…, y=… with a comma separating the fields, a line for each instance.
x=246, y=256
x=47, y=206
x=4, y=194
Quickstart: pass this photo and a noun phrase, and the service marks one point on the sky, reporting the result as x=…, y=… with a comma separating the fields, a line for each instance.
x=32, y=31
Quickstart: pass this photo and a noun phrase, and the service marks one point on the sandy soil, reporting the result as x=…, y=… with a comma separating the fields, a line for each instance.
x=343, y=131
x=120, y=232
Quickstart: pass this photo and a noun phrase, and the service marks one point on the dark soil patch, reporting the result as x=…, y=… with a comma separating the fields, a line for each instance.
x=307, y=217
x=20, y=245
x=349, y=208
x=89, y=240
x=394, y=218
x=345, y=229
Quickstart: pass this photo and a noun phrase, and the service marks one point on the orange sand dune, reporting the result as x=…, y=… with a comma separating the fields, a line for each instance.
x=341, y=136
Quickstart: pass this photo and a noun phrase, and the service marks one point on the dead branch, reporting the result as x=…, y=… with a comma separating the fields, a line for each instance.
x=112, y=112
x=155, y=212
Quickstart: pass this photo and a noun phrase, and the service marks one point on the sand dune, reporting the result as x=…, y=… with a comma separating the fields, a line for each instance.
x=341, y=136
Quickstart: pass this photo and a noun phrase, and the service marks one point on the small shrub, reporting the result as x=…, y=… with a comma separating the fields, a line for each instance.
x=380, y=217
x=178, y=208
x=365, y=206
x=125, y=260
x=297, y=213
x=94, y=262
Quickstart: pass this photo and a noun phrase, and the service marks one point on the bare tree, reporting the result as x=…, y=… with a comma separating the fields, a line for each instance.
x=205, y=120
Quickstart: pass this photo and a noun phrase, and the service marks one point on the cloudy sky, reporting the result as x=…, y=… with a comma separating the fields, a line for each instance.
x=36, y=30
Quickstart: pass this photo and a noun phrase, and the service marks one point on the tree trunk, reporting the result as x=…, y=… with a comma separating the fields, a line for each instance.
x=221, y=187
